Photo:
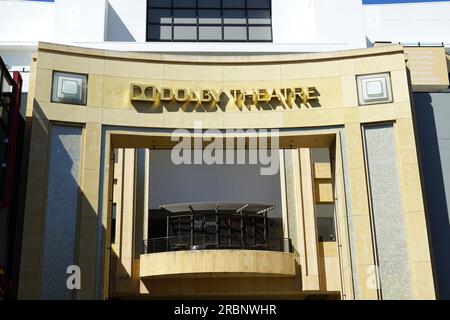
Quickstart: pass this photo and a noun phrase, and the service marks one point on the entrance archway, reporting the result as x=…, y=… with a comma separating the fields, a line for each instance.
x=307, y=183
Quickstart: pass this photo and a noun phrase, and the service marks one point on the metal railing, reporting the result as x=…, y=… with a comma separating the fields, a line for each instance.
x=201, y=242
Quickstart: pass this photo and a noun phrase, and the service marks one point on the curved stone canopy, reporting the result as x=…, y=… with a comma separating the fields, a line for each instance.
x=252, y=208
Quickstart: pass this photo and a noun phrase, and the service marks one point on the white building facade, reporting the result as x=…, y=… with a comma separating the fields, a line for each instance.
x=291, y=26
x=250, y=27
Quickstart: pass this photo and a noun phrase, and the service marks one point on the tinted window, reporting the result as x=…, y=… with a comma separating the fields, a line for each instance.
x=258, y=3
x=234, y=3
x=209, y=3
x=160, y=3
x=160, y=16
x=184, y=3
x=209, y=20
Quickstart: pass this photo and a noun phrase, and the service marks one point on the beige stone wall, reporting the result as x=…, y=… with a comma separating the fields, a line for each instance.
x=110, y=75
x=428, y=66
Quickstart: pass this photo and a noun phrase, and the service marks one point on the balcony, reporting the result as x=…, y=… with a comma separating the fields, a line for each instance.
x=217, y=264
x=217, y=240
x=194, y=257
x=203, y=242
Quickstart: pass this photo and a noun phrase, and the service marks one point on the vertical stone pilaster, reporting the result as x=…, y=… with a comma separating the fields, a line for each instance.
x=34, y=215
x=284, y=212
x=360, y=215
x=310, y=267
x=88, y=220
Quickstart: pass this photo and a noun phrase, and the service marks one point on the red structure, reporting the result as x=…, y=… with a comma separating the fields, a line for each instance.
x=11, y=127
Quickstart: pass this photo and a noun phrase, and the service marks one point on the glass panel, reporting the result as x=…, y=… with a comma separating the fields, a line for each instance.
x=6, y=87
x=325, y=229
x=184, y=16
x=6, y=91
x=234, y=3
x=160, y=3
x=185, y=33
x=184, y=3
x=209, y=16
x=4, y=117
x=258, y=16
x=159, y=32
x=203, y=12
x=210, y=33
x=259, y=33
x=159, y=16
x=153, y=32
x=325, y=222
x=258, y=4
x=234, y=17
x=209, y=3
x=166, y=32
x=320, y=155
x=2, y=179
x=235, y=33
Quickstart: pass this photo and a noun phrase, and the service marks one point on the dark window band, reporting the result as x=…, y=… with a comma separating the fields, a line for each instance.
x=209, y=20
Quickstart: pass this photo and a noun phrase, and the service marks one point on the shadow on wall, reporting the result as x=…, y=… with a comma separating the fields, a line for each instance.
x=433, y=150
x=116, y=30
x=44, y=276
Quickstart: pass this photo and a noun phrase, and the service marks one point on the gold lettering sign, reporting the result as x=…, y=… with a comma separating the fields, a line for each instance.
x=241, y=97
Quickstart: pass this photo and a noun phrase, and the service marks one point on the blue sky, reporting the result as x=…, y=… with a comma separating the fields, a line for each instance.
x=364, y=1
x=398, y=1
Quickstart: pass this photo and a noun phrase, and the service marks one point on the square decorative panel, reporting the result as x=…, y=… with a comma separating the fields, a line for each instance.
x=69, y=88
x=374, y=88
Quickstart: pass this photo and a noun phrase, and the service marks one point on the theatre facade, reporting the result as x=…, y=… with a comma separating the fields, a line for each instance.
x=351, y=223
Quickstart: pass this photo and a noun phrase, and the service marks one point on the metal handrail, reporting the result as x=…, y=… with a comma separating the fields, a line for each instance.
x=202, y=242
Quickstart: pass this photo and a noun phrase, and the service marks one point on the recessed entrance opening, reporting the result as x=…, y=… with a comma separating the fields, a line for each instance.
x=200, y=206
x=164, y=207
